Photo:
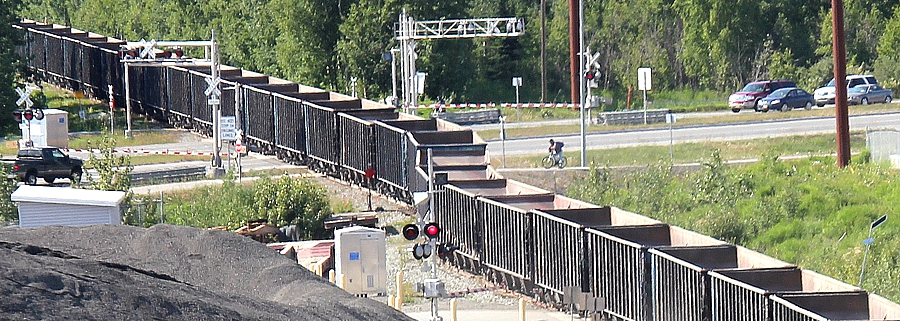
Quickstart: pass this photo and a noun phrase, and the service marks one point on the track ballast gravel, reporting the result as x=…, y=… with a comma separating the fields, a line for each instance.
x=166, y=272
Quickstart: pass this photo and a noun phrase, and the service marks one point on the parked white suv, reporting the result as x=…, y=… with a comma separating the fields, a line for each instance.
x=825, y=94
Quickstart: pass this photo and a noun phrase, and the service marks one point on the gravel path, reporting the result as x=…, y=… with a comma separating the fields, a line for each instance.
x=400, y=259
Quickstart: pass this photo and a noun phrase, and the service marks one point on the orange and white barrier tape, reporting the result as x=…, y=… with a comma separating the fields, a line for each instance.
x=504, y=105
x=146, y=152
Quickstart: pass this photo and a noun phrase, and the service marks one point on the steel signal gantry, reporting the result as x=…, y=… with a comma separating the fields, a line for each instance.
x=408, y=31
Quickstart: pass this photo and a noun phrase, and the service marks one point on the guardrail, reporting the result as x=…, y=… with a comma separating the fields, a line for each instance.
x=470, y=117
x=190, y=172
x=632, y=117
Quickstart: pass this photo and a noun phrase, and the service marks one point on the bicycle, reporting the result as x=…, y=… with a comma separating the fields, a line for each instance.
x=548, y=161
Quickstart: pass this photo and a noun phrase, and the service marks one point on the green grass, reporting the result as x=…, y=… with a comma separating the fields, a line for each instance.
x=140, y=138
x=696, y=152
x=807, y=212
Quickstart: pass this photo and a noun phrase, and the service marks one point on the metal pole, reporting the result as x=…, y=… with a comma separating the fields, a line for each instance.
x=503, y=139
x=645, y=105
x=112, y=114
x=238, y=113
x=394, y=76
x=216, y=112
x=431, y=242
x=127, y=101
x=865, y=256
x=671, y=142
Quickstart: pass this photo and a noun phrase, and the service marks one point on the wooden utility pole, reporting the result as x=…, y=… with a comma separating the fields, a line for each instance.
x=840, y=84
x=574, y=51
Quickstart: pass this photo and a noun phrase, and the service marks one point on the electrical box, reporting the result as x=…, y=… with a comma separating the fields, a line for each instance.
x=361, y=260
x=53, y=130
x=433, y=288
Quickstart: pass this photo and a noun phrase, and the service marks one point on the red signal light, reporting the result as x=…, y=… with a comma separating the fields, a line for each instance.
x=28, y=114
x=17, y=114
x=590, y=74
x=410, y=232
x=432, y=230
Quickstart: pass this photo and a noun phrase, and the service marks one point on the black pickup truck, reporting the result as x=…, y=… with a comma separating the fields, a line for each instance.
x=48, y=163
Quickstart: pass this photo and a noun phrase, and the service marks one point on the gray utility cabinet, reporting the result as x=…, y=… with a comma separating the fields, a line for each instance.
x=361, y=260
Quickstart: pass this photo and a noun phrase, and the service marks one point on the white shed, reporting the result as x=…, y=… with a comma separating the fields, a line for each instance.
x=43, y=205
x=360, y=258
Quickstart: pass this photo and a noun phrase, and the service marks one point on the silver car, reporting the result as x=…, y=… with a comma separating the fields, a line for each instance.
x=865, y=94
x=825, y=94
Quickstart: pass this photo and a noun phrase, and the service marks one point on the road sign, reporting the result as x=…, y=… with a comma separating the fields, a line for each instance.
x=228, y=128
x=879, y=221
x=24, y=97
x=517, y=81
x=147, y=49
x=213, y=88
x=644, y=79
x=239, y=147
x=592, y=60
x=213, y=101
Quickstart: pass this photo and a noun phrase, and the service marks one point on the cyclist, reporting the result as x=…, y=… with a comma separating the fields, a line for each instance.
x=556, y=150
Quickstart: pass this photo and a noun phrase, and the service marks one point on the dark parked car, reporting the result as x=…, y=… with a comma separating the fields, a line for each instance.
x=48, y=163
x=749, y=96
x=865, y=94
x=787, y=98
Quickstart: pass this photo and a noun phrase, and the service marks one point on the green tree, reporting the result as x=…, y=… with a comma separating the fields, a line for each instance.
x=12, y=64
x=8, y=209
x=308, y=34
x=113, y=170
x=887, y=66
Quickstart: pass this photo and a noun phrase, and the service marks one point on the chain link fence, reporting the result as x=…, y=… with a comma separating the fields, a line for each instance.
x=144, y=211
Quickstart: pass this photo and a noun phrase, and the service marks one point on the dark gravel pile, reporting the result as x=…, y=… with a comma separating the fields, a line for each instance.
x=115, y=272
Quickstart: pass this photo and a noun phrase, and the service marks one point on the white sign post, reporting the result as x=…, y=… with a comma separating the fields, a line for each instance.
x=517, y=82
x=670, y=118
x=644, y=84
x=868, y=241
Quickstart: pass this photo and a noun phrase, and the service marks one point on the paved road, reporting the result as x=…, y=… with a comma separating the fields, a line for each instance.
x=734, y=131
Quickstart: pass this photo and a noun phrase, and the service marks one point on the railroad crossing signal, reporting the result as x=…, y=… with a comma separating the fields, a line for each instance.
x=212, y=91
x=423, y=250
x=410, y=232
x=147, y=49
x=213, y=88
x=431, y=230
x=24, y=97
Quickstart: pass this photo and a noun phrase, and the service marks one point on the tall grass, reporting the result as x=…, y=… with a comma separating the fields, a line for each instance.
x=808, y=212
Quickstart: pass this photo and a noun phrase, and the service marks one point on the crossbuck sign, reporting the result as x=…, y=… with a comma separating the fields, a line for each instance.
x=213, y=91
x=24, y=97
